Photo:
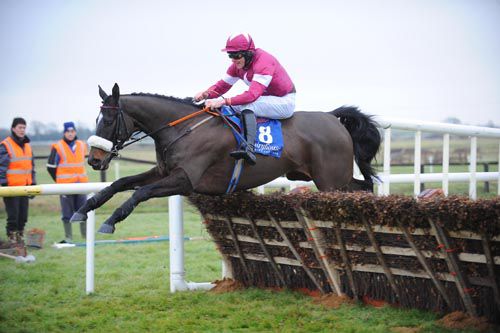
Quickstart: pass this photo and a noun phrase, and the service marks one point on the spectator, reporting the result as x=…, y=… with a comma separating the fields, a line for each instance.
x=66, y=165
x=17, y=168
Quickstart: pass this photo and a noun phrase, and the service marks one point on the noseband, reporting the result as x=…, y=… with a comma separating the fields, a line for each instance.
x=121, y=131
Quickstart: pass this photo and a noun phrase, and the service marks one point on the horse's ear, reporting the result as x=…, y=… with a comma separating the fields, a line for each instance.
x=116, y=92
x=103, y=94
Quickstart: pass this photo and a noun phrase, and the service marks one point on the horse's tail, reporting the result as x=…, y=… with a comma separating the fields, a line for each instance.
x=365, y=138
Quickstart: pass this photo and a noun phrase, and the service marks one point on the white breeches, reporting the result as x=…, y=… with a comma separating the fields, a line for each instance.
x=272, y=107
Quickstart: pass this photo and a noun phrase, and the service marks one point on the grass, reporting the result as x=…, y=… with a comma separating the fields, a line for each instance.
x=132, y=282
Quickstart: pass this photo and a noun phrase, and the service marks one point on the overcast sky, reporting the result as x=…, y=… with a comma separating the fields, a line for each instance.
x=414, y=59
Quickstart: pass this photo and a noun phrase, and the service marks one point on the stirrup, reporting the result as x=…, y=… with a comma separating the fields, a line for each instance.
x=246, y=154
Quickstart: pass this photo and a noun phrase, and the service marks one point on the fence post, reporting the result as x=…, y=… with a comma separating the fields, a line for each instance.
x=486, y=168
x=446, y=162
x=472, y=168
x=117, y=170
x=89, y=262
x=385, y=187
x=176, y=235
x=261, y=189
x=416, y=162
x=422, y=170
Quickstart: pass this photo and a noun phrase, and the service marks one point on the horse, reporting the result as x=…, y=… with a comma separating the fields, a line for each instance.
x=192, y=151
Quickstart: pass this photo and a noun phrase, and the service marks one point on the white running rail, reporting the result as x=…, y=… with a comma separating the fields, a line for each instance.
x=445, y=177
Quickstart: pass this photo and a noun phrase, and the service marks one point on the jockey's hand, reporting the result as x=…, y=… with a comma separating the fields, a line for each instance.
x=200, y=96
x=215, y=103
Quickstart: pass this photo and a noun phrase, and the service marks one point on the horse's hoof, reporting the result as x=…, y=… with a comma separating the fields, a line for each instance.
x=78, y=218
x=106, y=229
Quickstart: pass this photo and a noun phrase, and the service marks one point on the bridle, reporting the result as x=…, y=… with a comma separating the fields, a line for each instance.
x=121, y=130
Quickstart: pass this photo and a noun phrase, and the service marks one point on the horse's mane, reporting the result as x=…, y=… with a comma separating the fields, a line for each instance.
x=185, y=100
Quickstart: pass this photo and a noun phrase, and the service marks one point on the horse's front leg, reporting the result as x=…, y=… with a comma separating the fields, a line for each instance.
x=122, y=184
x=176, y=183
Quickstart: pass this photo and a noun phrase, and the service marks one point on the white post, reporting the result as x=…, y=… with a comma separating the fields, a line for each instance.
x=90, y=238
x=176, y=235
x=224, y=269
x=356, y=173
x=472, y=168
x=430, y=159
x=416, y=166
x=261, y=189
x=387, y=162
x=446, y=162
x=117, y=170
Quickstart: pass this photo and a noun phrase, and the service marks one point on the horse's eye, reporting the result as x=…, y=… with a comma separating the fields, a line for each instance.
x=107, y=122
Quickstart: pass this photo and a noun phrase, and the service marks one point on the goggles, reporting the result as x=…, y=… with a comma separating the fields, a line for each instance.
x=235, y=55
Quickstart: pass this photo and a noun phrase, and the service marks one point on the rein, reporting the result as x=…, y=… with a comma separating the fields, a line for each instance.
x=171, y=124
x=121, y=123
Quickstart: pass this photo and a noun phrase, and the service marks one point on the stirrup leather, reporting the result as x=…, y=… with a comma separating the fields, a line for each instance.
x=246, y=151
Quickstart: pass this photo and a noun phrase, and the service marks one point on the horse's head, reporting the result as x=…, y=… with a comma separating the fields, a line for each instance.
x=112, y=130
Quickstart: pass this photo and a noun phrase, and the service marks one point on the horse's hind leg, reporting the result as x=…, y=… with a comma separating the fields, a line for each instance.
x=122, y=184
x=176, y=183
x=333, y=176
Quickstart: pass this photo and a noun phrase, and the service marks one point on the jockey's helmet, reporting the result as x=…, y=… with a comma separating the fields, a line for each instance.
x=239, y=42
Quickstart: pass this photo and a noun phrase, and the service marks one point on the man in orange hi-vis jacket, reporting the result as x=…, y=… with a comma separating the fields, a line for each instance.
x=66, y=164
x=16, y=169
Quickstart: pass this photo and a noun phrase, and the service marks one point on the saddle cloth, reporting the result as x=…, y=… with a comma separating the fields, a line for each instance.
x=269, y=137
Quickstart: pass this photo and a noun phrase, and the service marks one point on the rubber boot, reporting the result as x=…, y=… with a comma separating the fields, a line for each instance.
x=12, y=235
x=246, y=151
x=83, y=229
x=20, y=238
x=68, y=233
x=21, y=246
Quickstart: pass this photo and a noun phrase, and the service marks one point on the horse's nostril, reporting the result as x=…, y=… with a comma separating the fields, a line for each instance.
x=93, y=161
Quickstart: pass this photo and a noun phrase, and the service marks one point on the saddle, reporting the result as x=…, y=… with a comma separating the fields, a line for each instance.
x=268, y=136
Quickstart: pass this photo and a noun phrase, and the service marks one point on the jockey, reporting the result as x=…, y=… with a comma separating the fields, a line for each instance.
x=271, y=92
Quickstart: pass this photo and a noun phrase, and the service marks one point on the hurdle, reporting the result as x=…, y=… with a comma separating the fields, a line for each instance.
x=437, y=255
x=176, y=231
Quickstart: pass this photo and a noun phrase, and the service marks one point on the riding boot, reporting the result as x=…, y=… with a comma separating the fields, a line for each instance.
x=247, y=150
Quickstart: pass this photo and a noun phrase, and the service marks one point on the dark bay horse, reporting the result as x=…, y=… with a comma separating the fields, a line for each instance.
x=318, y=146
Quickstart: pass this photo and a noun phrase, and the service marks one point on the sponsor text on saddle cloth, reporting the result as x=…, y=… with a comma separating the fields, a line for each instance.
x=268, y=140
